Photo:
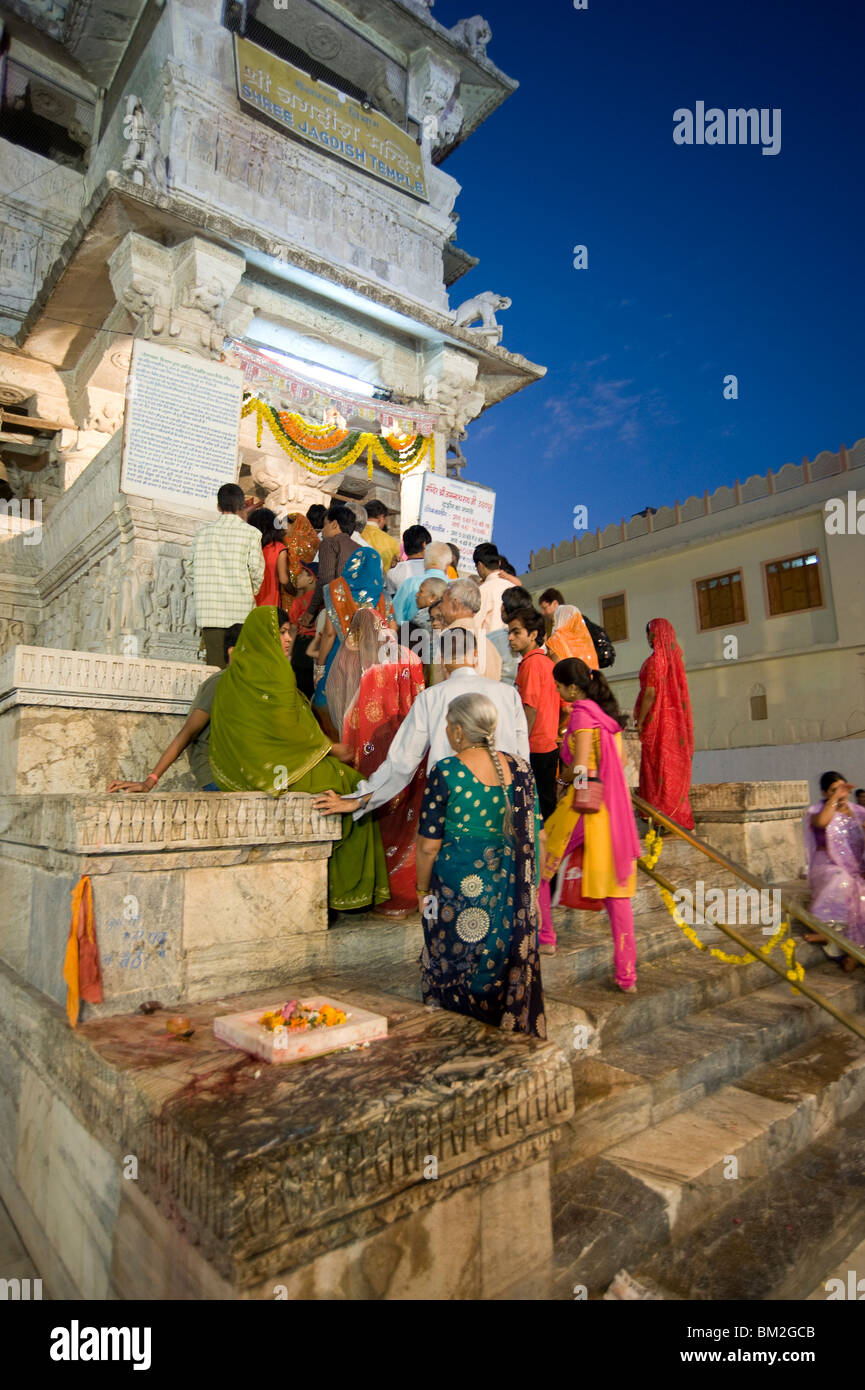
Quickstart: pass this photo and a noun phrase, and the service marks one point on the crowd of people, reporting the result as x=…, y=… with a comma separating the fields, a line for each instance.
x=466, y=736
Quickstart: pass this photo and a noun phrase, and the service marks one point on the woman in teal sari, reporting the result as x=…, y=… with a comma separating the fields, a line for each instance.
x=478, y=848
x=264, y=737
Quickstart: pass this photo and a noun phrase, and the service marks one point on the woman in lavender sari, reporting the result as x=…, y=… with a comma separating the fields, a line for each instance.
x=835, y=843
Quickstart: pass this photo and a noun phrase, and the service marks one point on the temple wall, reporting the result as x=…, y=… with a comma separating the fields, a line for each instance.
x=193, y=895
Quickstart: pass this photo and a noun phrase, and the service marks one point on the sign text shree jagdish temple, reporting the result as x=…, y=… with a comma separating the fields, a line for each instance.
x=322, y=116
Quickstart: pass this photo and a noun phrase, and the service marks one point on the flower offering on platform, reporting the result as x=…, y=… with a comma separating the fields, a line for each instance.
x=298, y=1017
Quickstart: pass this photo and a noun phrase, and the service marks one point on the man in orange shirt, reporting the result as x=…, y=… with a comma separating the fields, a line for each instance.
x=540, y=698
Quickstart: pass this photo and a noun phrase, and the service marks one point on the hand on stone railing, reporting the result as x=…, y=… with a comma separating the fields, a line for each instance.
x=133, y=786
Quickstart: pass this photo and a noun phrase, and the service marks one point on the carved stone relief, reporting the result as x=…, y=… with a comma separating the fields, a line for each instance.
x=143, y=160
x=180, y=295
x=215, y=149
x=129, y=604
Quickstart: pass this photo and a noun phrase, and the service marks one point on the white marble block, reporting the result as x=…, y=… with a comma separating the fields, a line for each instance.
x=245, y=1032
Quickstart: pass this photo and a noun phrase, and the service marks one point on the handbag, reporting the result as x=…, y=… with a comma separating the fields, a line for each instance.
x=604, y=648
x=570, y=889
x=589, y=798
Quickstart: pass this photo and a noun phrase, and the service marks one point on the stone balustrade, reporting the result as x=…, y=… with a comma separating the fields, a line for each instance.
x=756, y=824
x=193, y=894
x=73, y=721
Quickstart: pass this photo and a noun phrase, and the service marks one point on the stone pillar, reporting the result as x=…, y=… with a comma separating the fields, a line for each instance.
x=756, y=824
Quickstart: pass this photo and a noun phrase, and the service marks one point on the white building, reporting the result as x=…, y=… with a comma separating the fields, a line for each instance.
x=766, y=592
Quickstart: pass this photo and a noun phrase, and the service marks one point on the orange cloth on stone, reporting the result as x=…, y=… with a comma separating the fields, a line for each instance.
x=81, y=967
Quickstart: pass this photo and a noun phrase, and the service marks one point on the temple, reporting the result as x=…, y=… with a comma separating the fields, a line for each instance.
x=227, y=229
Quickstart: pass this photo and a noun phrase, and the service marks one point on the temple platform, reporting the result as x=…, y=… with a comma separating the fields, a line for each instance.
x=137, y=1165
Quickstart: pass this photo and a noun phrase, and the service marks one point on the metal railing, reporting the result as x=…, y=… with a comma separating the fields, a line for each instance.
x=789, y=906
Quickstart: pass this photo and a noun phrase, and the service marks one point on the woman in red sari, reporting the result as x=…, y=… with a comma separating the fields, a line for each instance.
x=371, y=686
x=275, y=557
x=665, y=726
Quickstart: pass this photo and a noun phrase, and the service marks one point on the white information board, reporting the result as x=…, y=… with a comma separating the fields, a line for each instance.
x=459, y=512
x=181, y=427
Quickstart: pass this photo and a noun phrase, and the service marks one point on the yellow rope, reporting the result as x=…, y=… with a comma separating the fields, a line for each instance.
x=781, y=938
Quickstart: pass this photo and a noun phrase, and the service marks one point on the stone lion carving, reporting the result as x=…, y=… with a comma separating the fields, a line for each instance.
x=483, y=306
x=474, y=34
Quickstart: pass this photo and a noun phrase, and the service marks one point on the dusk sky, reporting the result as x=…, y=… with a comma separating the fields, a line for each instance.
x=702, y=260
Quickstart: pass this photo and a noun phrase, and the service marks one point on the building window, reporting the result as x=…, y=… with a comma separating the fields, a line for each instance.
x=721, y=600
x=759, y=708
x=614, y=617
x=793, y=585
x=40, y=115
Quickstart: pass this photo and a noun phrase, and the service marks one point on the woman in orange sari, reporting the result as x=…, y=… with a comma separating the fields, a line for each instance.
x=371, y=686
x=666, y=726
x=570, y=637
x=301, y=542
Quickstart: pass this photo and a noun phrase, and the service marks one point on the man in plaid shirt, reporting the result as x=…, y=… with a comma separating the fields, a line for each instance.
x=227, y=567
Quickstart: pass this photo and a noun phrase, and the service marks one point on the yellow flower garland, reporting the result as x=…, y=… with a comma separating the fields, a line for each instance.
x=411, y=452
x=795, y=971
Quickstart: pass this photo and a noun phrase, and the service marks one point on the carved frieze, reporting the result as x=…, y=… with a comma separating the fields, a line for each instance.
x=124, y=824
x=232, y=162
x=88, y=680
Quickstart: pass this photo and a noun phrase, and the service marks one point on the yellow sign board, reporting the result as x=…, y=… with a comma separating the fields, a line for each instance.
x=322, y=116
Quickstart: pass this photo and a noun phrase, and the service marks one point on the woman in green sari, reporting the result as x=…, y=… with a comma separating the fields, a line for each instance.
x=264, y=737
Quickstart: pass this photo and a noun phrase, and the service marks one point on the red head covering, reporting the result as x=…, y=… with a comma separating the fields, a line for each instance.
x=668, y=732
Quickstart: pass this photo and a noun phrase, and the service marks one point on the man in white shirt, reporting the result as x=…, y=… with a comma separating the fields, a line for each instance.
x=415, y=541
x=424, y=730
x=494, y=581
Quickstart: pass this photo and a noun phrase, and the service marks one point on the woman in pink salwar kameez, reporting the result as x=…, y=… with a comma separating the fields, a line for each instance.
x=835, y=844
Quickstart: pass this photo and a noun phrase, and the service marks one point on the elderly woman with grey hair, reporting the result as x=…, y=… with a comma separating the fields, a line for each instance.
x=436, y=558
x=479, y=844
x=459, y=606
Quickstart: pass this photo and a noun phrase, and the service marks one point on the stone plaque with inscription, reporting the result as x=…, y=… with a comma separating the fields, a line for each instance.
x=181, y=433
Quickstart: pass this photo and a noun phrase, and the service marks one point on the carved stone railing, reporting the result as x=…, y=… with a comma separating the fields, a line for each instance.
x=193, y=895
x=94, y=680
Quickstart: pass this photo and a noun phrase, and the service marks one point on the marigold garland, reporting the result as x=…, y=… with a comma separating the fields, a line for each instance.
x=781, y=938
x=326, y=449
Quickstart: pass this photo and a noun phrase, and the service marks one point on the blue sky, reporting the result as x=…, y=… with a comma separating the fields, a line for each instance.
x=702, y=260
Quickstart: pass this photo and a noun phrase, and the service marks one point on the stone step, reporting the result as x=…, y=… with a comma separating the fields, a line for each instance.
x=368, y=943
x=662, y=1183
x=673, y=982
x=727, y=1039
x=766, y=1241
x=641, y=1081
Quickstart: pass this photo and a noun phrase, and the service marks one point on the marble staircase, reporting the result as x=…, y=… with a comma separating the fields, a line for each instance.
x=717, y=1142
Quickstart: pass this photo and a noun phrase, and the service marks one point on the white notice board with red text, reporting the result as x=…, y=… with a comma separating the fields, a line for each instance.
x=455, y=511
